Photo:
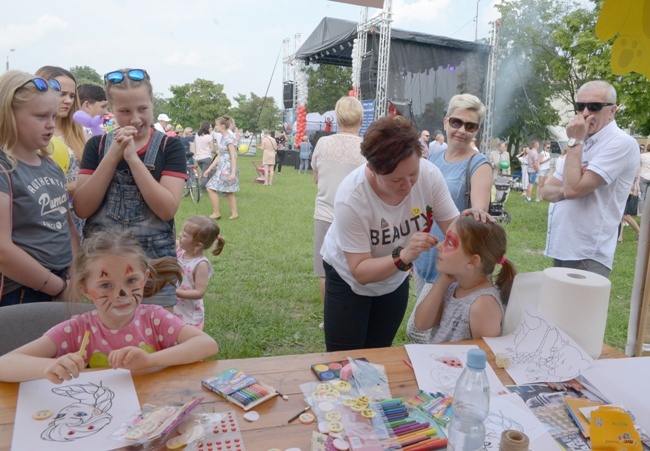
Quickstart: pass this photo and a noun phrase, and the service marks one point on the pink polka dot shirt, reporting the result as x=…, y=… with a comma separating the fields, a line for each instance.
x=152, y=326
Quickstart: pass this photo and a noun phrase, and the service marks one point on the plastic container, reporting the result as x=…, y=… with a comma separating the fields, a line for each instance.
x=470, y=406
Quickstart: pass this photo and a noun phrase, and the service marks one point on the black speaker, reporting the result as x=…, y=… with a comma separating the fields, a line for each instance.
x=288, y=94
x=318, y=135
x=368, y=76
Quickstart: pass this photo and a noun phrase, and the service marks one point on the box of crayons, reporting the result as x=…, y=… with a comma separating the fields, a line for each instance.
x=239, y=388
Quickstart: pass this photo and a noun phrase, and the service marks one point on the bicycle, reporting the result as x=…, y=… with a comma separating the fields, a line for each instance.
x=193, y=184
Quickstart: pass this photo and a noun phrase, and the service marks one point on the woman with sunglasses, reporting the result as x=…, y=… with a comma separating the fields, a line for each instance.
x=458, y=164
x=382, y=211
x=69, y=139
x=37, y=235
x=132, y=178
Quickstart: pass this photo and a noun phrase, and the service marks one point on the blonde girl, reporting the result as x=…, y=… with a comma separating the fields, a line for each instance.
x=69, y=139
x=199, y=234
x=464, y=303
x=226, y=178
x=113, y=272
x=132, y=178
x=37, y=236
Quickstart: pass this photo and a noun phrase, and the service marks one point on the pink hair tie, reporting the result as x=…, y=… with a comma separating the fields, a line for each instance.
x=502, y=260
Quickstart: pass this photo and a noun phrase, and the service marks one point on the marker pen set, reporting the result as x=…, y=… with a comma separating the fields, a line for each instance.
x=239, y=388
x=411, y=430
x=438, y=405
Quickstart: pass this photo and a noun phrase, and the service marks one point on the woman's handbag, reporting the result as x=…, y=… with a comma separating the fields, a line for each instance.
x=468, y=184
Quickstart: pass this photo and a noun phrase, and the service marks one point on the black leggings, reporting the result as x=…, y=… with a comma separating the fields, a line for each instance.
x=353, y=321
x=279, y=158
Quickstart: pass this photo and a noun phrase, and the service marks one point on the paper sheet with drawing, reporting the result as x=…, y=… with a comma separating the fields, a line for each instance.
x=540, y=351
x=437, y=367
x=510, y=412
x=83, y=412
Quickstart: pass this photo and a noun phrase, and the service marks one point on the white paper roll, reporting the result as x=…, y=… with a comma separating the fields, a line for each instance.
x=577, y=302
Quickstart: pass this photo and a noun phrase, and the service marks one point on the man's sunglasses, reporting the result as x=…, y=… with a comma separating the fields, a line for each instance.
x=456, y=123
x=592, y=106
x=42, y=84
x=117, y=76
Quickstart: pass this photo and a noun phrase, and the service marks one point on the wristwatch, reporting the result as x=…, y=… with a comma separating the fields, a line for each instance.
x=574, y=142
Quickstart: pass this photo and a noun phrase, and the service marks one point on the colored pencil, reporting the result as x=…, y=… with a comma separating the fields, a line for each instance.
x=84, y=343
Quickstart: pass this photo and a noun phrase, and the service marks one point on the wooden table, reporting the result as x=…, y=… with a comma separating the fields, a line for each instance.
x=286, y=373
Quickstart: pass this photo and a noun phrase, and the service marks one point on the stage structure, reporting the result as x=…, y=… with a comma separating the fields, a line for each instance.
x=423, y=71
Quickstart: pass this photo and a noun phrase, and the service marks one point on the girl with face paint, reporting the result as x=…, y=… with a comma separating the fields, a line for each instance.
x=114, y=273
x=465, y=302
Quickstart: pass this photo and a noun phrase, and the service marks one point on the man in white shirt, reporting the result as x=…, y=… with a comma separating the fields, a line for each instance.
x=590, y=186
x=438, y=145
x=161, y=125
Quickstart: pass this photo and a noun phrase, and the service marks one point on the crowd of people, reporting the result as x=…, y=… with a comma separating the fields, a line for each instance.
x=93, y=216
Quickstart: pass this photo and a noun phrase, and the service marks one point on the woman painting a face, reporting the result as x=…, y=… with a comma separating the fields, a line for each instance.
x=380, y=218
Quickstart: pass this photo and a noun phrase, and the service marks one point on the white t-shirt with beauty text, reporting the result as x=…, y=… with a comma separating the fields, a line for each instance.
x=363, y=223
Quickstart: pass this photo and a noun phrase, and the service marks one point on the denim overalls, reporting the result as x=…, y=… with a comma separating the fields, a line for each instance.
x=124, y=208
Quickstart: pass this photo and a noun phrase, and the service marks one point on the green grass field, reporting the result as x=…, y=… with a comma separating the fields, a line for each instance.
x=263, y=298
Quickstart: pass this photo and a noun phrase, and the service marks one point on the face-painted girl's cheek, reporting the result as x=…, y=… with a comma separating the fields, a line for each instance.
x=451, y=242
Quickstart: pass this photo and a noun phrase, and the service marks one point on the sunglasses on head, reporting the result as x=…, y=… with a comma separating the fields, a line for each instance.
x=456, y=123
x=117, y=76
x=42, y=84
x=592, y=106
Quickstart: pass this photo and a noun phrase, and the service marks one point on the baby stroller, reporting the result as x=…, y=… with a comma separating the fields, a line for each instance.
x=500, y=191
x=259, y=169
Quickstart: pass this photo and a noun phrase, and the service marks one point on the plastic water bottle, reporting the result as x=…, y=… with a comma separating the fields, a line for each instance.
x=470, y=406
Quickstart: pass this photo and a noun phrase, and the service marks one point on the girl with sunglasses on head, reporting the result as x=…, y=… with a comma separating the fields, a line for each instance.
x=69, y=139
x=459, y=163
x=132, y=178
x=37, y=235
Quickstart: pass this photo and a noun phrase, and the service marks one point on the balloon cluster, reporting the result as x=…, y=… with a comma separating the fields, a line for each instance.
x=301, y=110
x=93, y=123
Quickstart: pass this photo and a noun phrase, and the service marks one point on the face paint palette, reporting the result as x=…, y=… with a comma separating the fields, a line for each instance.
x=331, y=370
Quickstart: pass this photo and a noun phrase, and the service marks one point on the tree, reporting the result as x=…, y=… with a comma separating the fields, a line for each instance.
x=327, y=84
x=193, y=103
x=256, y=113
x=86, y=74
x=524, y=89
x=160, y=105
x=583, y=57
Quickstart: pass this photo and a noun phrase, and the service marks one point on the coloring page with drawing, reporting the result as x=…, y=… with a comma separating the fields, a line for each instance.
x=75, y=415
x=540, y=351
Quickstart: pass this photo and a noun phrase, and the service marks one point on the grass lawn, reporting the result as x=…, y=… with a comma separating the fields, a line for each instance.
x=264, y=300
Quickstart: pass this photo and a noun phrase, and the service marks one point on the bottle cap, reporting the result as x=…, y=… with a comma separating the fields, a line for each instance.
x=476, y=359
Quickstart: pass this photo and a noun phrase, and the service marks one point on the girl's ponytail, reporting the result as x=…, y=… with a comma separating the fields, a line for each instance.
x=161, y=272
x=505, y=278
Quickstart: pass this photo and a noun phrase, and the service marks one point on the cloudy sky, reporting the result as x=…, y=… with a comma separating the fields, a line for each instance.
x=233, y=42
